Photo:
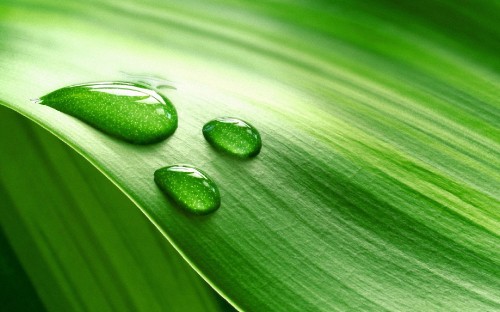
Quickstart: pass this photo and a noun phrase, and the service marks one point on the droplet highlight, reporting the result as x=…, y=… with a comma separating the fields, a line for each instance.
x=189, y=187
x=125, y=110
x=233, y=136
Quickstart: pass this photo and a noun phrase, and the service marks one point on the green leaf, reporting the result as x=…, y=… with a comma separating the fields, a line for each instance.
x=377, y=184
x=13, y=280
x=81, y=241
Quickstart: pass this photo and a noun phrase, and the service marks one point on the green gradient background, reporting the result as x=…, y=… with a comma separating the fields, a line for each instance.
x=376, y=189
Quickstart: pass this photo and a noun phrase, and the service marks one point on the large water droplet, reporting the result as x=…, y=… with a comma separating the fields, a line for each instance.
x=124, y=110
x=233, y=136
x=189, y=187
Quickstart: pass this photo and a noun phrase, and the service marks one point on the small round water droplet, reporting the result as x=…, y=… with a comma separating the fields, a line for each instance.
x=234, y=136
x=128, y=111
x=189, y=187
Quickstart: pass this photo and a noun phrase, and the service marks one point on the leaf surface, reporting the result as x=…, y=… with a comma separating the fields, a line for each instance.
x=82, y=243
x=377, y=184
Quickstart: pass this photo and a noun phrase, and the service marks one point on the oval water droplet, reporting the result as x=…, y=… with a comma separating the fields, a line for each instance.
x=189, y=187
x=124, y=110
x=234, y=136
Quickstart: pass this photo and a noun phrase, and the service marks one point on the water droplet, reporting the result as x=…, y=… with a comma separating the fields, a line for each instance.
x=233, y=136
x=189, y=187
x=124, y=110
